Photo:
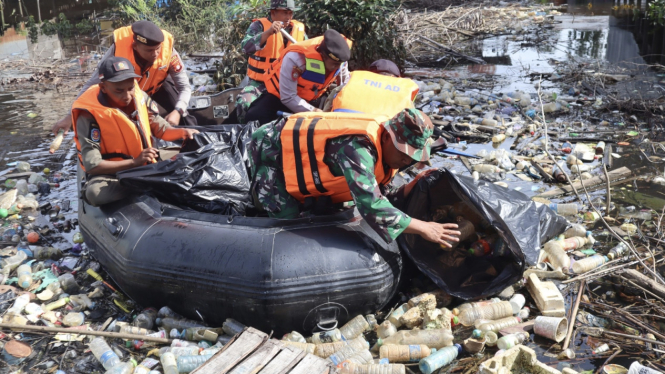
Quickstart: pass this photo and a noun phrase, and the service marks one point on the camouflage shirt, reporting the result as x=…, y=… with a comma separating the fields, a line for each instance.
x=252, y=40
x=353, y=157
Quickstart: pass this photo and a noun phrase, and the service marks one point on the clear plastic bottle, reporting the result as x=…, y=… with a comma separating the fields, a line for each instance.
x=439, y=359
x=169, y=363
x=294, y=336
x=187, y=364
x=354, y=327
x=169, y=324
x=232, y=327
x=14, y=261
x=327, y=336
x=575, y=230
x=307, y=347
x=490, y=338
x=404, y=353
x=127, y=329
x=589, y=263
x=509, y=341
x=602, y=348
x=56, y=304
x=121, y=368
x=146, y=319
x=556, y=255
x=361, y=358
x=166, y=312
x=385, y=330
x=24, y=274
x=551, y=107
x=573, y=243
x=19, y=304
x=351, y=368
x=498, y=138
x=486, y=168
x=180, y=351
x=73, y=319
x=565, y=209
x=493, y=311
x=210, y=351
x=461, y=100
x=394, y=316
x=637, y=368
x=496, y=326
x=354, y=346
x=47, y=253
x=618, y=251
x=475, y=304
x=437, y=338
x=103, y=353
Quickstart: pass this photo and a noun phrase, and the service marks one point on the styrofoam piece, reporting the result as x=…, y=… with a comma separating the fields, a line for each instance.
x=519, y=359
x=548, y=298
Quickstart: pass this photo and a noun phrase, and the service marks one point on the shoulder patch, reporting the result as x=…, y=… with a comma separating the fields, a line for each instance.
x=295, y=73
x=176, y=63
x=153, y=107
x=95, y=135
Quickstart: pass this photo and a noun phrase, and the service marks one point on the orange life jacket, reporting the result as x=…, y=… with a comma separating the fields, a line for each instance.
x=372, y=93
x=313, y=82
x=154, y=76
x=304, y=138
x=260, y=61
x=119, y=137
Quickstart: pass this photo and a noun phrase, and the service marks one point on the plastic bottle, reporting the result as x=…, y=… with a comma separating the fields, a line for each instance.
x=232, y=327
x=551, y=107
x=351, y=368
x=565, y=209
x=187, y=364
x=475, y=304
x=480, y=248
x=68, y=283
x=601, y=349
x=556, y=255
x=600, y=148
x=127, y=329
x=573, y=243
x=327, y=336
x=394, y=316
x=348, y=351
x=307, y=347
x=47, y=253
x=385, y=330
x=509, y=341
x=14, y=261
x=56, y=304
x=498, y=138
x=589, y=263
x=73, y=319
x=493, y=311
x=294, y=336
x=575, y=230
x=182, y=343
x=496, y=326
x=103, y=353
x=24, y=274
x=618, y=251
x=437, y=338
x=462, y=100
x=121, y=368
x=354, y=327
x=180, y=351
x=361, y=358
x=486, y=168
x=19, y=304
x=637, y=368
x=81, y=302
x=179, y=324
x=210, y=351
x=166, y=312
x=169, y=363
x=404, y=353
x=146, y=319
x=439, y=359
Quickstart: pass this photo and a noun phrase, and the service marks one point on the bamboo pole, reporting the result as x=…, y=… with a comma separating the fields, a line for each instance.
x=84, y=332
x=573, y=315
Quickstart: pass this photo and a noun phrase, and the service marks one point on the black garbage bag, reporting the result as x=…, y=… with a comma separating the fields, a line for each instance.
x=519, y=225
x=210, y=174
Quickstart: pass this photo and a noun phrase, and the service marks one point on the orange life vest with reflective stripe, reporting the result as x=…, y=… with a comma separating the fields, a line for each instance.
x=303, y=140
x=372, y=93
x=119, y=137
x=260, y=61
x=313, y=82
x=154, y=76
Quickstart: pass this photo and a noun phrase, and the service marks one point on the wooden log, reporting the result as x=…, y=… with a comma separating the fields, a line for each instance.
x=234, y=352
x=644, y=281
x=597, y=181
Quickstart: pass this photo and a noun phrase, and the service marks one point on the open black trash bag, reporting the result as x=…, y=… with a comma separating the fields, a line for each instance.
x=210, y=174
x=522, y=224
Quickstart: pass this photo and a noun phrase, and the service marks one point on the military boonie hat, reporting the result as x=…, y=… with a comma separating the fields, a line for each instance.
x=283, y=4
x=335, y=47
x=116, y=69
x=147, y=33
x=411, y=131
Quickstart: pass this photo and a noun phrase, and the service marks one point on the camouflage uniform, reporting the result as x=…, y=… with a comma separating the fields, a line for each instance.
x=246, y=97
x=352, y=156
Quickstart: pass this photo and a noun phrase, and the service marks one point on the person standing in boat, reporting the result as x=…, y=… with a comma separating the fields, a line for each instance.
x=314, y=161
x=161, y=73
x=114, y=122
x=301, y=74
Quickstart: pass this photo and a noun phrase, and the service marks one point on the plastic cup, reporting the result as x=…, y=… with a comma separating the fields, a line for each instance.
x=553, y=328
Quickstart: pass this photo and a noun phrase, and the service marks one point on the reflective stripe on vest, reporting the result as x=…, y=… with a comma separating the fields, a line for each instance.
x=260, y=61
x=304, y=139
x=372, y=93
x=314, y=81
x=154, y=76
x=121, y=138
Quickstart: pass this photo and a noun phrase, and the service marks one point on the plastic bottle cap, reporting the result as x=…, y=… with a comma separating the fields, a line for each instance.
x=459, y=348
x=455, y=320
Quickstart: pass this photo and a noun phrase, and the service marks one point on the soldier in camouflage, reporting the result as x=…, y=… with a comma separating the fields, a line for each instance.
x=407, y=139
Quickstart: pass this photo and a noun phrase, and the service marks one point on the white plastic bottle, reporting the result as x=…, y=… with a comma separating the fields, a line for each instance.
x=169, y=363
x=565, y=209
x=492, y=311
x=327, y=336
x=24, y=274
x=385, y=330
x=354, y=327
x=121, y=368
x=486, y=168
x=509, y=341
x=103, y=353
x=588, y=264
x=556, y=255
x=19, y=304
x=187, y=364
x=575, y=230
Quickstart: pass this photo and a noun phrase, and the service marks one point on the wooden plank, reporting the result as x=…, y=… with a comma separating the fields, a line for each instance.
x=313, y=365
x=614, y=175
x=234, y=352
x=285, y=360
x=644, y=281
x=260, y=358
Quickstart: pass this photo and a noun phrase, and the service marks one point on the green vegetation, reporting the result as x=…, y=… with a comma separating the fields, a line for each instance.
x=656, y=12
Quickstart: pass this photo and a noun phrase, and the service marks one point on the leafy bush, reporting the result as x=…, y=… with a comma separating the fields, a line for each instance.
x=367, y=22
x=656, y=12
x=61, y=26
x=33, y=31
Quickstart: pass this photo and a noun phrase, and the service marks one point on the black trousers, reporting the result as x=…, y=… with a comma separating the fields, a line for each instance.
x=166, y=98
x=265, y=108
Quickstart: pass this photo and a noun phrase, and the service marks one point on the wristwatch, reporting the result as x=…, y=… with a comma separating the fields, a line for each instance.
x=183, y=112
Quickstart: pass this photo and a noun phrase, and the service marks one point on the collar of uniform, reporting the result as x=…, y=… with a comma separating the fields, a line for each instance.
x=105, y=102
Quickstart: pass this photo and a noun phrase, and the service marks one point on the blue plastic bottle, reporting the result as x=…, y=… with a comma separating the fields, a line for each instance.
x=439, y=359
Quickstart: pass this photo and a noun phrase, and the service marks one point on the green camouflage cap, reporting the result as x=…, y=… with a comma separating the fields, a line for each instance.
x=283, y=4
x=411, y=131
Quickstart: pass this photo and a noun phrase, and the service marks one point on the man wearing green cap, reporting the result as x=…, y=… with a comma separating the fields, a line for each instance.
x=338, y=157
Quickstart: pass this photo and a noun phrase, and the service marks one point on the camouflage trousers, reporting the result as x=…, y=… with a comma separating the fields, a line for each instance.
x=269, y=185
x=251, y=92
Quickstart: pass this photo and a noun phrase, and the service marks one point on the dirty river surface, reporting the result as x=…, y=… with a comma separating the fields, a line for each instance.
x=587, y=33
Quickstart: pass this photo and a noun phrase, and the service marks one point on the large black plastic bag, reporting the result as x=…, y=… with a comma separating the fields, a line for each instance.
x=209, y=175
x=522, y=223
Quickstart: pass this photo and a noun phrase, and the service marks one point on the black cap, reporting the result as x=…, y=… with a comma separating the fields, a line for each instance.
x=334, y=46
x=384, y=67
x=147, y=33
x=116, y=69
